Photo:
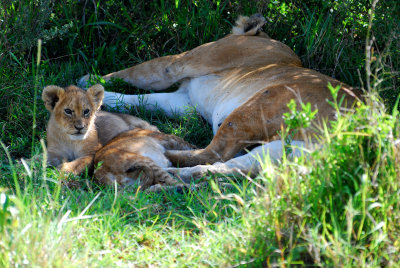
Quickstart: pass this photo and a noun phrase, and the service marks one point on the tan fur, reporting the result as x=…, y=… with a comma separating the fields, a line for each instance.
x=248, y=79
x=137, y=156
x=261, y=117
x=76, y=129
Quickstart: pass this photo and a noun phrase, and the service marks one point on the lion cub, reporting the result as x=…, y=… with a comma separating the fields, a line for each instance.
x=77, y=129
x=137, y=156
x=133, y=149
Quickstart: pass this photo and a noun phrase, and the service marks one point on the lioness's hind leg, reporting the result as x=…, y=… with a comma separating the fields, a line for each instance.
x=248, y=164
x=242, y=165
x=249, y=124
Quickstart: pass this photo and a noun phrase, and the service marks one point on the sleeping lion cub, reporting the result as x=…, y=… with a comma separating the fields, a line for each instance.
x=77, y=129
x=138, y=154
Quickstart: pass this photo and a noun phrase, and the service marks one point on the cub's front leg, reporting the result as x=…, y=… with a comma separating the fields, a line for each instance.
x=77, y=166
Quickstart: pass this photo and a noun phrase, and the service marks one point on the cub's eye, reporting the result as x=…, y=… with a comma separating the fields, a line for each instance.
x=68, y=111
x=86, y=112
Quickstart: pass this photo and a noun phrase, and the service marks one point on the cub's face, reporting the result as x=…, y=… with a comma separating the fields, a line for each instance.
x=73, y=109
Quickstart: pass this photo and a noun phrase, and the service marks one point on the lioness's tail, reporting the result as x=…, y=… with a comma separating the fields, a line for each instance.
x=249, y=25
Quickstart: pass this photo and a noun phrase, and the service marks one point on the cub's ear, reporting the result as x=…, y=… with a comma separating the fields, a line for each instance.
x=96, y=92
x=51, y=95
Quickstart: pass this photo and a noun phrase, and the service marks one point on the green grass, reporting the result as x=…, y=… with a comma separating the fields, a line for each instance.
x=338, y=206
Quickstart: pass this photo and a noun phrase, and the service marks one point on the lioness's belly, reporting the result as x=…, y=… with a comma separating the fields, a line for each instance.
x=215, y=97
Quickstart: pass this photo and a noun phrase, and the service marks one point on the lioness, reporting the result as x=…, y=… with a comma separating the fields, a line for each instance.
x=240, y=84
x=77, y=129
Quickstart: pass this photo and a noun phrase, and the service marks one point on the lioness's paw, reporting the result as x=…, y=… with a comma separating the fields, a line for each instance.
x=90, y=80
x=83, y=82
x=186, y=174
x=155, y=188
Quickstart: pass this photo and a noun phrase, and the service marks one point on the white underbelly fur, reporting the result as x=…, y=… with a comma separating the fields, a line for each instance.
x=213, y=98
x=201, y=94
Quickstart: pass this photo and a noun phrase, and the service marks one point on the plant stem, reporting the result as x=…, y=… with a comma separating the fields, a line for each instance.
x=39, y=52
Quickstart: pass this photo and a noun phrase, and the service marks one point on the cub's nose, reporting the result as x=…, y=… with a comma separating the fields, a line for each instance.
x=79, y=127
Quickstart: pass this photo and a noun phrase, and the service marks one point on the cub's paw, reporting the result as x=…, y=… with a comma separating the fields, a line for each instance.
x=67, y=168
x=76, y=167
